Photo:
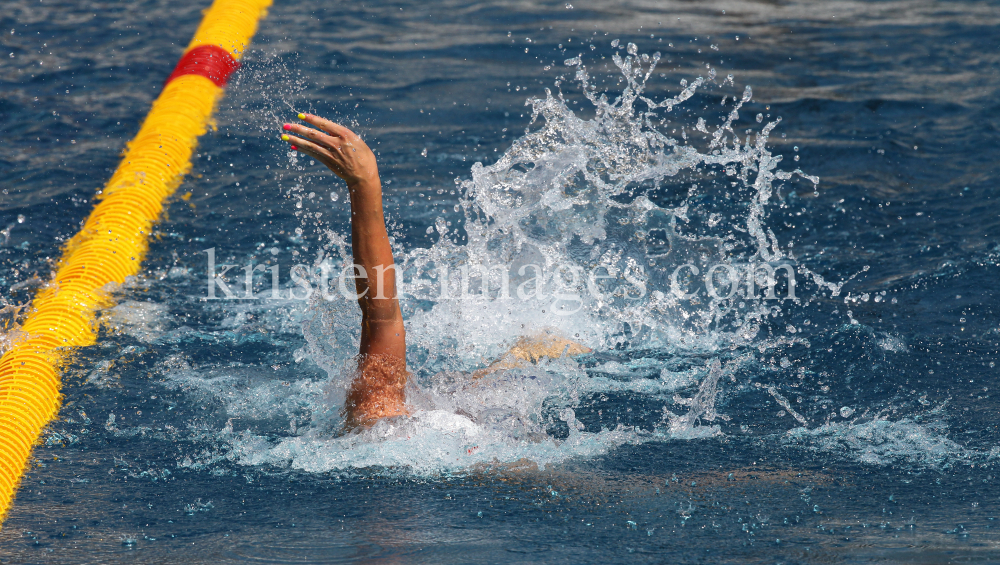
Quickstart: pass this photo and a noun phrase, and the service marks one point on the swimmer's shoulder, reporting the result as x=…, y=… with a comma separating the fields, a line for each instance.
x=532, y=349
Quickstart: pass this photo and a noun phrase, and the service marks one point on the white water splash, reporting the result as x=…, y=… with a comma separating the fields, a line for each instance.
x=579, y=196
x=609, y=194
x=619, y=194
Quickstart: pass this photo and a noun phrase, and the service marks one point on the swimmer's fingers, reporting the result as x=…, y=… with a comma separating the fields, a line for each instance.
x=315, y=136
x=326, y=125
x=328, y=156
x=341, y=150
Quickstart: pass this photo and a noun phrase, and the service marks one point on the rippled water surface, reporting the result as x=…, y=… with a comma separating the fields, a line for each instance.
x=853, y=144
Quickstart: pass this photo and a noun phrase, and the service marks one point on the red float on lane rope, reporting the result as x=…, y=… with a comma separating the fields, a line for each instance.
x=209, y=61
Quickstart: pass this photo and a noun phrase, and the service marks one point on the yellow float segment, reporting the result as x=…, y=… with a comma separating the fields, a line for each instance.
x=111, y=244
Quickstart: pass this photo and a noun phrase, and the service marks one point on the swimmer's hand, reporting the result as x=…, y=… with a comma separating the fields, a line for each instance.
x=335, y=146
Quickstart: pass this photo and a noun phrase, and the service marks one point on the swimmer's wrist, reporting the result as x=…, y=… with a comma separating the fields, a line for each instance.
x=365, y=186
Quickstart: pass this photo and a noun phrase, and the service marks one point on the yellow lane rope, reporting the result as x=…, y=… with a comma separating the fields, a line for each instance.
x=113, y=241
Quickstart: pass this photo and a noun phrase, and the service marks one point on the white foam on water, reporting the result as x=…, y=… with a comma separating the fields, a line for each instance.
x=426, y=443
x=886, y=442
x=455, y=423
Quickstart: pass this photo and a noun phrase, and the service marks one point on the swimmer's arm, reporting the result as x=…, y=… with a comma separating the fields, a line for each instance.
x=382, y=331
x=345, y=153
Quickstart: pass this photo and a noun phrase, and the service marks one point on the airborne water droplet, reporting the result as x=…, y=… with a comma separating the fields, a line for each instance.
x=441, y=226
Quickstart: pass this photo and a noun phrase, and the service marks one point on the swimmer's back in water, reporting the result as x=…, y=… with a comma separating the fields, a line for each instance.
x=378, y=390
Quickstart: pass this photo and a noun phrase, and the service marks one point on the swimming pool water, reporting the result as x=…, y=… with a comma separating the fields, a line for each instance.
x=857, y=424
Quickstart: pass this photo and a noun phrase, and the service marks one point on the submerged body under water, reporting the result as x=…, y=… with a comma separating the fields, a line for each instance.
x=773, y=227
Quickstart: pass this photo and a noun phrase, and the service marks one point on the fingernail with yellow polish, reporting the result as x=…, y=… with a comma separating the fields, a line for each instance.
x=284, y=137
x=302, y=116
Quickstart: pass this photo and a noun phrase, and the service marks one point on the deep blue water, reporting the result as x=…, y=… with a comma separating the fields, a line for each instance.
x=856, y=426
